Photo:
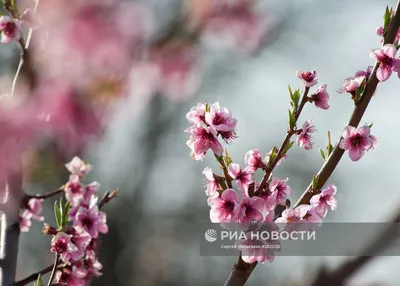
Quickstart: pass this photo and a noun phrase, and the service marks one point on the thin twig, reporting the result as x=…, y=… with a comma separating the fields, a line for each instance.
x=34, y=276
x=54, y=269
x=108, y=197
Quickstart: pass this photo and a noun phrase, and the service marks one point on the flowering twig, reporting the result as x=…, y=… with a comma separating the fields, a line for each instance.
x=241, y=270
x=359, y=110
x=285, y=142
x=54, y=269
x=46, y=195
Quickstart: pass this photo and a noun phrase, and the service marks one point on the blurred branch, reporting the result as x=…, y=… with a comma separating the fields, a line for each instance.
x=241, y=270
x=338, y=276
x=108, y=197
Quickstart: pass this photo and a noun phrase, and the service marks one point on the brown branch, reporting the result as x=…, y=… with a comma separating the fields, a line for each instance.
x=240, y=272
x=34, y=276
x=108, y=197
x=339, y=276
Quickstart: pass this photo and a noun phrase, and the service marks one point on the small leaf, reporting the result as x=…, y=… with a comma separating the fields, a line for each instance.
x=67, y=207
x=228, y=159
x=39, y=281
x=322, y=154
x=386, y=18
x=220, y=159
x=57, y=214
x=315, y=182
x=288, y=146
x=292, y=120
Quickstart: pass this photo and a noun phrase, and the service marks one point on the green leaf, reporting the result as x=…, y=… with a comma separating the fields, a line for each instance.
x=288, y=146
x=322, y=154
x=220, y=159
x=228, y=159
x=208, y=107
x=290, y=92
x=39, y=281
x=386, y=18
x=57, y=214
x=67, y=207
x=315, y=182
x=292, y=119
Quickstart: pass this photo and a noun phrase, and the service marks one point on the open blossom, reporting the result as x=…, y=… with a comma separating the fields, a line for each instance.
x=78, y=167
x=321, y=97
x=74, y=190
x=356, y=141
x=279, y=191
x=35, y=209
x=255, y=250
x=293, y=215
x=201, y=139
x=242, y=178
x=61, y=243
x=305, y=137
x=197, y=113
x=25, y=221
x=364, y=73
x=386, y=58
x=91, y=220
x=253, y=160
x=226, y=208
x=212, y=185
x=220, y=118
x=10, y=29
x=351, y=84
x=308, y=77
x=250, y=210
x=324, y=201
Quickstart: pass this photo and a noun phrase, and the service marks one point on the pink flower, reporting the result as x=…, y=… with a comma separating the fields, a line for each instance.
x=374, y=142
x=61, y=244
x=279, y=190
x=255, y=250
x=226, y=208
x=321, y=97
x=250, y=210
x=92, y=220
x=221, y=120
x=267, y=158
x=305, y=137
x=386, y=58
x=312, y=216
x=203, y=138
x=74, y=190
x=324, y=200
x=293, y=215
x=364, y=73
x=25, y=221
x=197, y=113
x=253, y=160
x=357, y=142
x=212, y=184
x=81, y=239
x=242, y=178
x=351, y=84
x=78, y=167
x=308, y=77
x=35, y=208
x=10, y=29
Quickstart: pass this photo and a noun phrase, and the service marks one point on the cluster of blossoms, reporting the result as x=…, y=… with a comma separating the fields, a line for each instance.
x=75, y=244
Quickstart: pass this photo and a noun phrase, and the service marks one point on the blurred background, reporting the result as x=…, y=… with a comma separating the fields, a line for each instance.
x=142, y=78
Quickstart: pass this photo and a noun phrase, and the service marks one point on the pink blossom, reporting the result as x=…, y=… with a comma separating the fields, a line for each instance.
x=242, y=178
x=374, y=142
x=78, y=167
x=70, y=277
x=255, y=250
x=351, y=84
x=90, y=190
x=364, y=73
x=81, y=239
x=25, y=221
x=203, y=138
x=212, y=184
x=250, y=210
x=291, y=215
x=357, y=142
x=92, y=220
x=74, y=190
x=324, y=200
x=220, y=118
x=197, y=113
x=253, y=160
x=321, y=97
x=226, y=208
x=35, y=208
x=386, y=58
x=305, y=137
x=312, y=216
x=308, y=77
x=61, y=244
x=280, y=190
x=10, y=29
